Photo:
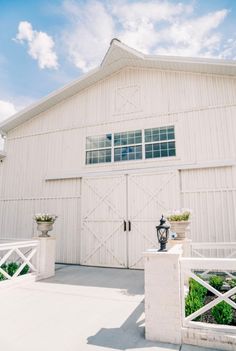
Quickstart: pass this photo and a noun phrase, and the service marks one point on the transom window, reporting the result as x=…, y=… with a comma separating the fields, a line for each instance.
x=133, y=146
x=98, y=149
x=160, y=142
x=127, y=146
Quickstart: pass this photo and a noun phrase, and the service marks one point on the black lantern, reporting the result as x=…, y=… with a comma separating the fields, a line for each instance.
x=163, y=234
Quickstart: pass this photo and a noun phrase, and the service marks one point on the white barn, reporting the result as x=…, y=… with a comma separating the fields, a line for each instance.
x=109, y=153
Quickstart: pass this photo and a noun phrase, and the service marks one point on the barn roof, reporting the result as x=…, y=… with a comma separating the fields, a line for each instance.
x=119, y=56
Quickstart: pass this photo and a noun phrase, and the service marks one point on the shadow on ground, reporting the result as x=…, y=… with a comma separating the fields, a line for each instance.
x=131, y=282
x=130, y=335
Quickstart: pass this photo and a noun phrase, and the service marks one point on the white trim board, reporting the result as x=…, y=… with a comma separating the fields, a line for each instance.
x=80, y=174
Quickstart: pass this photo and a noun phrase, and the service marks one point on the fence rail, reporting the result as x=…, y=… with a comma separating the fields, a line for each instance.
x=17, y=250
x=213, y=249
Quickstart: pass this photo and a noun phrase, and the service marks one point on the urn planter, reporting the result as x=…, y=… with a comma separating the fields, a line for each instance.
x=181, y=228
x=44, y=228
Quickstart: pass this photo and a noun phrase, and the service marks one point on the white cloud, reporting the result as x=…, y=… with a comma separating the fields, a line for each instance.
x=229, y=49
x=154, y=27
x=40, y=45
x=93, y=25
x=88, y=36
x=7, y=109
x=141, y=21
x=193, y=37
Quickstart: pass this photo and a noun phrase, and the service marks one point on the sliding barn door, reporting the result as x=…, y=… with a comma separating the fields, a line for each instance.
x=149, y=196
x=103, y=239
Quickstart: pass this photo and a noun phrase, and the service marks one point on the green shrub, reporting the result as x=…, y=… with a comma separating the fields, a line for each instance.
x=25, y=270
x=193, y=302
x=197, y=288
x=4, y=267
x=222, y=313
x=179, y=216
x=216, y=282
x=232, y=283
x=12, y=268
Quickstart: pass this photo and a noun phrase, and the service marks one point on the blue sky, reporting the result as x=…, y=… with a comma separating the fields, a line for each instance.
x=46, y=44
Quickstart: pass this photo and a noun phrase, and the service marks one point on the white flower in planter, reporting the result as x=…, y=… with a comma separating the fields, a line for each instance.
x=45, y=223
x=180, y=222
x=45, y=217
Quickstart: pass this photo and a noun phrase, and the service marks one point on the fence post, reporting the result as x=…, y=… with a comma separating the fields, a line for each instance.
x=186, y=245
x=46, y=257
x=163, y=295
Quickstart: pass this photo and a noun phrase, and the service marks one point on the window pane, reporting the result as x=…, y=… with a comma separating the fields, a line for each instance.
x=171, y=136
x=171, y=130
x=128, y=138
x=172, y=152
x=132, y=156
x=148, y=138
x=163, y=146
x=155, y=137
x=139, y=156
x=131, y=140
x=128, y=153
x=156, y=147
x=124, y=139
x=138, y=140
x=159, y=134
x=156, y=154
x=164, y=153
x=117, y=139
x=163, y=135
x=98, y=142
x=108, y=140
x=160, y=150
x=171, y=145
x=98, y=156
x=148, y=154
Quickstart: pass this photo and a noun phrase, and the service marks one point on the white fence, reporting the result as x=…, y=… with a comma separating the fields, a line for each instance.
x=213, y=249
x=21, y=252
x=196, y=269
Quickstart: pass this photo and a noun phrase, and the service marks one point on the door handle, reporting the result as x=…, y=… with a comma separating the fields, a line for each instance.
x=124, y=226
x=129, y=226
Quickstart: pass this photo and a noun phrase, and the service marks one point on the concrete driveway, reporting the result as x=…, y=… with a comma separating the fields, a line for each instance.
x=80, y=309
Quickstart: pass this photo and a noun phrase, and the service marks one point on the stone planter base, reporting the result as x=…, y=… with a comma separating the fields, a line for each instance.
x=181, y=228
x=44, y=227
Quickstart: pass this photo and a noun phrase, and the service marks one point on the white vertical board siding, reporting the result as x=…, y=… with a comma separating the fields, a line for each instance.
x=63, y=200
x=17, y=222
x=208, y=135
x=211, y=194
x=103, y=239
x=159, y=92
x=32, y=158
x=150, y=196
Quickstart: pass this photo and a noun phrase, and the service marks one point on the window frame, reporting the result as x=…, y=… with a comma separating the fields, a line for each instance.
x=128, y=145
x=98, y=149
x=166, y=141
x=142, y=144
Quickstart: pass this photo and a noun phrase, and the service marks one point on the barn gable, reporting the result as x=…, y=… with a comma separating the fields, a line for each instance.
x=118, y=57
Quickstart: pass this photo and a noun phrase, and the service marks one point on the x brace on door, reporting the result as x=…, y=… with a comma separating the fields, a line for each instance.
x=153, y=195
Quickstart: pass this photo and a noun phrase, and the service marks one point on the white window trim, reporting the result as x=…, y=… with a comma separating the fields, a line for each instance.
x=113, y=147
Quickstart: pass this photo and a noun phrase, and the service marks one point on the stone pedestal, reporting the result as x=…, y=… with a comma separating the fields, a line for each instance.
x=186, y=245
x=46, y=257
x=162, y=295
